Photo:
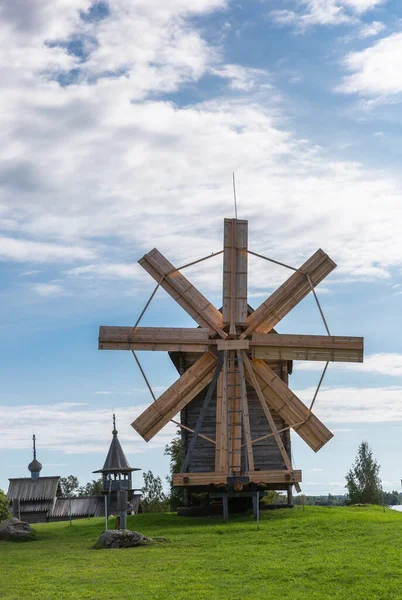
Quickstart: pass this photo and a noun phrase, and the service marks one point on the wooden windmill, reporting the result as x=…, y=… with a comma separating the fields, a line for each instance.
x=233, y=396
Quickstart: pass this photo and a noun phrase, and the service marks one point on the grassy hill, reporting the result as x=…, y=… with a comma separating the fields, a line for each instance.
x=346, y=553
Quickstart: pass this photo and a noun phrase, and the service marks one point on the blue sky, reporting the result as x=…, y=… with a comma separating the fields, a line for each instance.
x=121, y=126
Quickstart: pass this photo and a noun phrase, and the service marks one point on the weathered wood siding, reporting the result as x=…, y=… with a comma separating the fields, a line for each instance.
x=266, y=452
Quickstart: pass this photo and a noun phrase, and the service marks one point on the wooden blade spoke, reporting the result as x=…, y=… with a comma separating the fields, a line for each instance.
x=235, y=257
x=281, y=302
x=181, y=290
x=307, y=347
x=283, y=401
x=170, y=339
x=191, y=383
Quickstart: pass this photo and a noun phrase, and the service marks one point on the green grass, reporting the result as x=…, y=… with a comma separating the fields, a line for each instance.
x=346, y=553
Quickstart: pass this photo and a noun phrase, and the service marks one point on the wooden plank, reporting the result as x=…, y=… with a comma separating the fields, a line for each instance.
x=268, y=415
x=181, y=290
x=281, y=399
x=176, y=397
x=219, y=423
x=214, y=478
x=290, y=293
x=307, y=347
x=234, y=413
x=185, y=339
x=246, y=416
x=221, y=453
x=201, y=416
x=201, y=435
x=232, y=344
x=235, y=259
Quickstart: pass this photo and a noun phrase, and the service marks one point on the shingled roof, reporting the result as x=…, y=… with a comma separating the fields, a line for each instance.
x=116, y=460
x=25, y=488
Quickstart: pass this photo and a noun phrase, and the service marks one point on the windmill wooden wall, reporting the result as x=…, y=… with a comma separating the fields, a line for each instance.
x=266, y=452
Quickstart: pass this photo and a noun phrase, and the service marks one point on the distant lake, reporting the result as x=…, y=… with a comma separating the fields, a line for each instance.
x=397, y=507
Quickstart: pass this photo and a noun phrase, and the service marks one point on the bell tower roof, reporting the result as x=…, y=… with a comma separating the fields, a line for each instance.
x=116, y=461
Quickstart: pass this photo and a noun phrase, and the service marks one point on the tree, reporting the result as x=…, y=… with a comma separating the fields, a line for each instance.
x=69, y=485
x=4, y=507
x=175, y=451
x=92, y=488
x=153, y=498
x=363, y=481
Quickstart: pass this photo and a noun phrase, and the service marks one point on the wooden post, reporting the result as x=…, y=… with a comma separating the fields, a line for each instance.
x=290, y=495
x=122, y=508
x=256, y=507
x=225, y=504
x=106, y=514
x=17, y=509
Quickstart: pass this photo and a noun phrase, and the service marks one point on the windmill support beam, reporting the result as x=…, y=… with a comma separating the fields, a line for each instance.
x=307, y=347
x=281, y=399
x=181, y=290
x=176, y=397
x=234, y=309
x=289, y=294
x=258, y=477
x=166, y=339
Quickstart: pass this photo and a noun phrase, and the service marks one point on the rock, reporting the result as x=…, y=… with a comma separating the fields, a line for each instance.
x=122, y=538
x=16, y=530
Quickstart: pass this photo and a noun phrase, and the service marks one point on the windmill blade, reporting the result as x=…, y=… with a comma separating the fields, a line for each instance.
x=290, y=293
x=234, y=309
x=191, y=383
x=168, y=339
x=271, y=346
x=181, y=290
x=292, y=410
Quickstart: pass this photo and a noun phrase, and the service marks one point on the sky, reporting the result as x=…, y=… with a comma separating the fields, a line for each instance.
x=122, y=123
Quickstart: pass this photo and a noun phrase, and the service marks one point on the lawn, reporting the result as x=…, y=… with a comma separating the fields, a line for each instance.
x=347, y=553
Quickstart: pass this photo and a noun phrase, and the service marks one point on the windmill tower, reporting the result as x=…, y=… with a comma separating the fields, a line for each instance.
x=233, y=397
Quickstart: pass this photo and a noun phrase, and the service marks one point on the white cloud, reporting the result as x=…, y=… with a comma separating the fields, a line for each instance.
x=241, y=78
x=371, y=29
x=107, y=271
x=75, y=428
x=104, y=169
x=375, y=71
x=384, y=363
x=356, y=405
x=324, y=12
x=22, y=250
x=362, y=6
x=48, y=290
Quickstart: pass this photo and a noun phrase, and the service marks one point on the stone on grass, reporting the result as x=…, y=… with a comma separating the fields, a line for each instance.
x=122, y=538
x=16, y=530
